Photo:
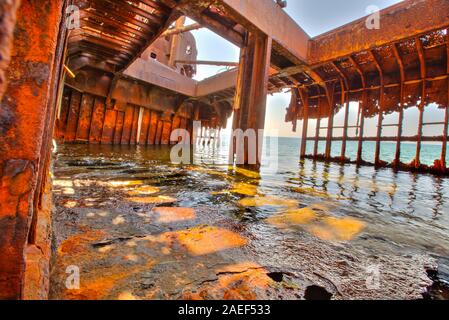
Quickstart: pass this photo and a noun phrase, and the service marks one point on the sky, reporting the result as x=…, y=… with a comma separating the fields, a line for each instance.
x=315, y=17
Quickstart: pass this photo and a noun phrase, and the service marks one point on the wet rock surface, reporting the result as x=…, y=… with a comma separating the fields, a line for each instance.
x=216, y=236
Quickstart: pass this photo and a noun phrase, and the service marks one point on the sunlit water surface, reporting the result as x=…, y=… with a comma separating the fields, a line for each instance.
x=402, y=210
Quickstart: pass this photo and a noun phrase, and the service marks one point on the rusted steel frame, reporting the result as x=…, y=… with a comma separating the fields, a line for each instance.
x=403, y=21
x=184, y=29
x=305, y=103
x=318, y=128
x=400, y=62
x=25, y=125
x=330, y=95
x=362, y=108
x=208, y=63
x=390, y=85
x=446, y=112
x=423, y=70
x=381, y=107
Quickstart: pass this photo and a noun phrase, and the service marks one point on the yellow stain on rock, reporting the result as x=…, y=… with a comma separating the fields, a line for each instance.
x=245, y=172
x=144, y=190
x=153, y=200
x=121, y=184
x=168, y=215
x=319, y=224
x=241, y=188
x=203, y=240
x=268, y=201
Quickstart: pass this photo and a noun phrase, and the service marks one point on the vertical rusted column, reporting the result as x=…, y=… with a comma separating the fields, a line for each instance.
x=160, y=128
x=96, y=126
x=318, y=126
x=176, y=124
x=72, y=121
x=153, y=128
x=135, y=126
x=127, y=125
x=26, y=114
x=145, y=127
x=397, y=54
x=330, y=95
x=423, y=69
x=109, y=126
x=305, y=103
x=119, y=127
x=166, y=131
x=251, y=93
x=61, y=122
x=85, y=118
x=381, y=109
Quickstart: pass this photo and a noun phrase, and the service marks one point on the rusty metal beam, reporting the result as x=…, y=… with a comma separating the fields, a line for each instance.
x=284, y=31
x=184, y=29
x=405, y=20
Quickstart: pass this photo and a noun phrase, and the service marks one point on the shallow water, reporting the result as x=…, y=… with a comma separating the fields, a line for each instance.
x=307, y=217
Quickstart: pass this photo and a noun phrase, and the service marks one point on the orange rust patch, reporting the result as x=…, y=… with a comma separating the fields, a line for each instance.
x=77, y=243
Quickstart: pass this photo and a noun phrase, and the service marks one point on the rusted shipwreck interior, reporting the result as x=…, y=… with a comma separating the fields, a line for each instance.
x=124, y=76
